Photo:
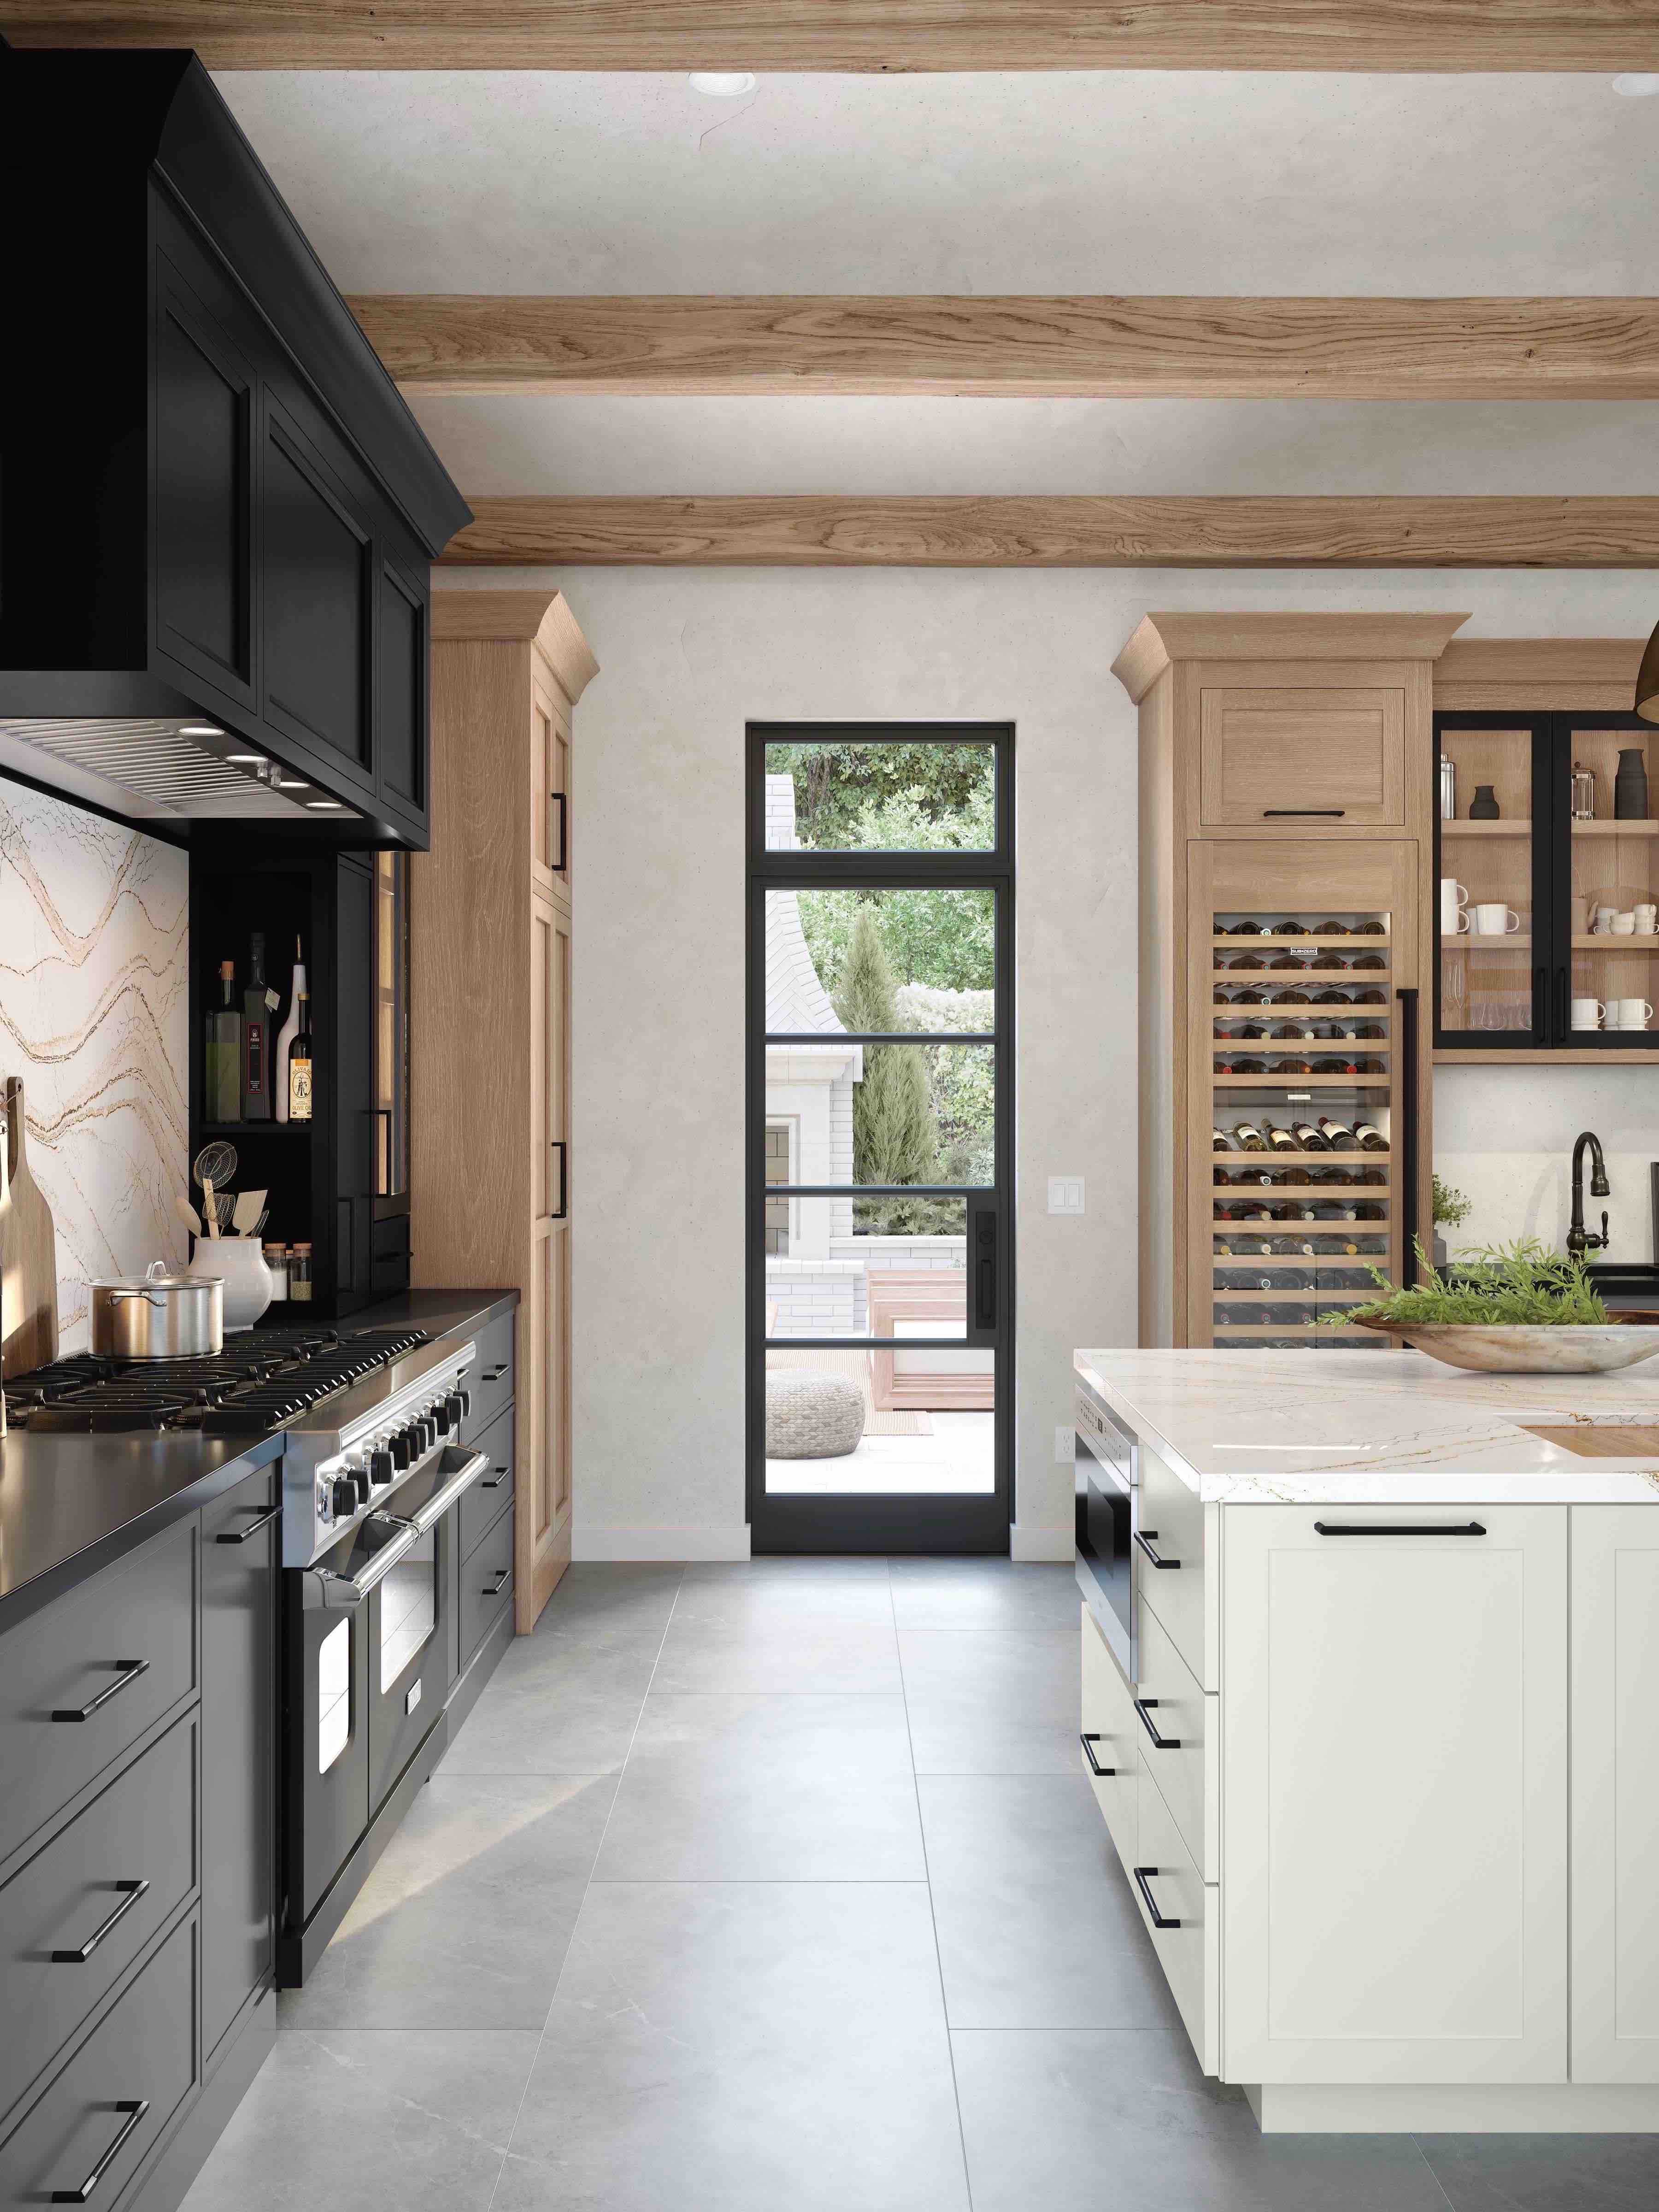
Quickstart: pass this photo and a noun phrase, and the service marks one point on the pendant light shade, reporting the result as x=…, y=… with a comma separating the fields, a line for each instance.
x=1647, y=681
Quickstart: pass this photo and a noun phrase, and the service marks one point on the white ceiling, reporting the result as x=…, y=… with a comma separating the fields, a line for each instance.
x=1131, y=182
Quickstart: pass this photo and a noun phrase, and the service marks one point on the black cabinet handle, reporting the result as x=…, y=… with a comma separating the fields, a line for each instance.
x=135, y=2108
x=1560, y=1006
x=1143, y=1878
x=241, y=1535
x=1540, y=1009
x=1145, y=1707
x=1101, y=1773
x=1296, y=814
x=1398, y=1529
x=132, y=1891
x=492, y=1375
x=500, y=1475
x=127, y=1671
x=558, y=845
x=563, y=1209
x=1144, y=1538
x=495, y=1588
x=383, y=1161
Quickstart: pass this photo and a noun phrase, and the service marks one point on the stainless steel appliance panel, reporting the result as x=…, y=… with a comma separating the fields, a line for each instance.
x=1106, y=1465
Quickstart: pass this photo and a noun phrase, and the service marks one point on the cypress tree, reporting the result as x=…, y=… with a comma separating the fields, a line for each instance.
x=894, y=1131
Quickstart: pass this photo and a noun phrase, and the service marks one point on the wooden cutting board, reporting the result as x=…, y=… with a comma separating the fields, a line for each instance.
x=28, y=1254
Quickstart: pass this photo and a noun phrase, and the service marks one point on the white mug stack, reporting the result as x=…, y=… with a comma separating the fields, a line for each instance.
x=1628, y=1013
x=1586, y=1013
x=1454, y=906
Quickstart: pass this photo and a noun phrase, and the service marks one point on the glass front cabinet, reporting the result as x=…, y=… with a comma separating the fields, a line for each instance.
x=1546, y=883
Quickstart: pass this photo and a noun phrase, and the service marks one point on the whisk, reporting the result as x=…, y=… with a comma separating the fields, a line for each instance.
x=215, y=1165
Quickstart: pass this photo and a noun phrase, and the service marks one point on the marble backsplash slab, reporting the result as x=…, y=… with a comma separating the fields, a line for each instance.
x=94, y=998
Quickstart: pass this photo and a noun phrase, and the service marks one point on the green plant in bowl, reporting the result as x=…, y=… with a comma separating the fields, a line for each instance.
x=1519, y=1286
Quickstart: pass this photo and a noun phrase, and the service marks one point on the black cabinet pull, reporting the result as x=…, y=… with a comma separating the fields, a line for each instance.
x=135, y=2108
x=1143, y=1878
x=241, y=1535
x=1101, y=1773
x=496, y=1586
x=556, y=845
x=1295, y=814
x=132, y=1891
x=1398, y=1529
x=1144, y=1538
x=492, y=1375
x=127, y=1671
x=563, y=1209
x=1560, y=1006
x=1145, y=1707
x=499, y=1477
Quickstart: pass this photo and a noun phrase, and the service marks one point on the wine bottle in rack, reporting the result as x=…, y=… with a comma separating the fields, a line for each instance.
x=1249, y=1138
x=1281, y=1139
x=1339, y=1137
x=1370, y=1138
x=1219, y=1142
x=1310, y=1138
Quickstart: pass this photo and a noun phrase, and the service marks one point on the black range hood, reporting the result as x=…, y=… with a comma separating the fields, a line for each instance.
x=216, y=513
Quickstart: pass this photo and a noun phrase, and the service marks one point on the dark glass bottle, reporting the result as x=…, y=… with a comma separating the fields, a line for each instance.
x=256, y=1035
x=1290, y=997
x=222, y=1067
x=1369, y=929
x=1251, y=997
x=1244, y=929
x=1288, y=961
x=1368, y=960
x=1310, y=1138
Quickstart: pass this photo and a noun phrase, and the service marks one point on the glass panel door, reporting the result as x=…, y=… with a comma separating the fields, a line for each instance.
x=1606, y=765
x=1492, y=895
x=879, y=1268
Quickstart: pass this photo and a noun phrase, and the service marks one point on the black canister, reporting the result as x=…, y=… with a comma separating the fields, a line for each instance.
x=1630, y=786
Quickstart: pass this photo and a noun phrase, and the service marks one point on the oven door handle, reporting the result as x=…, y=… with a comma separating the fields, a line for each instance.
x=476, y=1465
x=333, y=1593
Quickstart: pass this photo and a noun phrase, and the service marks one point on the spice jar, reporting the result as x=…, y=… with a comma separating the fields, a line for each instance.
x=299, y=1274
x=277, y=1261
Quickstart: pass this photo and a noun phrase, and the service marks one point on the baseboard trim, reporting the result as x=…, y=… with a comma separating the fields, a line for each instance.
x=1538, y=2108
x=727, y=1541
x=1034, y=1539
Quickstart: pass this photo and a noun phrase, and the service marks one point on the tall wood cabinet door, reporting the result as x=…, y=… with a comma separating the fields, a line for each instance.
x=1615, y=1793
x=549, y=790
x=1302, y=757
x=1395, y=1795
x=542, y=1499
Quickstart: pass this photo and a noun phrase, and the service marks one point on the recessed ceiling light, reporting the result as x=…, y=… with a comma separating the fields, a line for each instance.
x=326, y=806
x=245, y=760
x=732, y=84
x=200, y=730
x=1635, y=85
x=291, y=783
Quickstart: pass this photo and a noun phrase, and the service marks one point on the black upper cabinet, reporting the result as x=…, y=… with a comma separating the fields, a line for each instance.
x=222, y=507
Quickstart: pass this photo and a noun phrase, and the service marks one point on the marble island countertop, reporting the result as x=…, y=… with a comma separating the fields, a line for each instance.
x=1357, y=1427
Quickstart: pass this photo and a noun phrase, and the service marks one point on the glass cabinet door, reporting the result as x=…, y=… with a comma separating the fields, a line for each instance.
x=390, y=1019
x=1609, y=930
x=1492, y=887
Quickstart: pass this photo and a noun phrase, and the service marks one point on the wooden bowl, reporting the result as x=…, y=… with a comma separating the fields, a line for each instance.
x=1511, y=1350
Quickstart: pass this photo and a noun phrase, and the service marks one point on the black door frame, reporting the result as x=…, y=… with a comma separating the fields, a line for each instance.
x=916, y=1523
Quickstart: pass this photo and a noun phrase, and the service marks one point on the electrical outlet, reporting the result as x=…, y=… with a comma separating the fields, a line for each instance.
x=1066, y=1194
x=1064, y=1447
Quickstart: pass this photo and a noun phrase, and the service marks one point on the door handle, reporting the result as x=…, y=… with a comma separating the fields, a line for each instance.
x=562, y=1210
x=1143, y=1537
x=127, y=1672
x=135, y=2108
x=1560, y=1006
x=494, y=1588
x=1303, y=813
x=241, y=1535
x=1143, y=1876
x=131, y=1892
x=1101, y=1773
x=1145, y=1707
x=1398, y=1529
x=985, y=1269
x=557, y=861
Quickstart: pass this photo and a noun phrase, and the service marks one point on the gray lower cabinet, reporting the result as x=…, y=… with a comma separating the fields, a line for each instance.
x=486, y=1585
x=240, y=1552
x=85, y=2135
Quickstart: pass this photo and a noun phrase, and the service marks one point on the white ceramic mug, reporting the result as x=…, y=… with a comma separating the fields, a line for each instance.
x=1454, y=906
x=1494, y=921
x=1602, y=922
x=1628, y=1013
x=1624, y=925
x=1586, y=1013
x=1647, y=920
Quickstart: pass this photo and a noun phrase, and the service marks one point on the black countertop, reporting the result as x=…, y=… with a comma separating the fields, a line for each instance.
x=70, y=1505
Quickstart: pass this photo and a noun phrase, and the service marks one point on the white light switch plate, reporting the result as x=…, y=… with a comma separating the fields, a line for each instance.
x=1064, y=1447
x=1066, y=1194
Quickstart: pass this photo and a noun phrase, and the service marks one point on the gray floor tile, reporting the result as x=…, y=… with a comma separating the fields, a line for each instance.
x=992, y=1700
x=378, y=2123
x=758, y=1593
x=744, y=2047
x=552, y=1707
x=1073, y=2122
x=1545, y=2173
x=976, y=1595
x=1036, y=1924
x=605, y=1603
x=778, y=1655
x=763, y=1788
x=463, y=1922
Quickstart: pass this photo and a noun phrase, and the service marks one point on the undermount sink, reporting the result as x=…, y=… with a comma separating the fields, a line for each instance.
x=1623, y=1284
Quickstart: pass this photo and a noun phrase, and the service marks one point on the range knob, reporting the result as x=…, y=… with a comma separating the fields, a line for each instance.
x=341, y=1497
x=360, y=1478
x=426, y=1433
x=456, y=1405
x=397, y=1445
x=441, y=1415
x=379, y=1465
x=465, y=1397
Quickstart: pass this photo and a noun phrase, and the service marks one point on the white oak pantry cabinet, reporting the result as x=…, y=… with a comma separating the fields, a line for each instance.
x=1388, y=1789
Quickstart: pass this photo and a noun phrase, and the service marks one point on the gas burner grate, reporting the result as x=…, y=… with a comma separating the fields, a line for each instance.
x=104, y=1412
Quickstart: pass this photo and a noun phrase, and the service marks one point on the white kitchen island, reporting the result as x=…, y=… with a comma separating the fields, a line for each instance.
x=1386, y=1779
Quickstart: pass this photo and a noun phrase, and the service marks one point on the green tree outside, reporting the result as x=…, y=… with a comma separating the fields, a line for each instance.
x=894, y=1131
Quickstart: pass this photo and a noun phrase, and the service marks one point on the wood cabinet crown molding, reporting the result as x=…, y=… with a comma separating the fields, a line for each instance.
x=1477, y=674
x=1160, y=638
x=521, y=618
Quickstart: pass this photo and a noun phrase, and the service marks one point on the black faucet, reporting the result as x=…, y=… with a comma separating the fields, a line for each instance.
x=1579, y=1239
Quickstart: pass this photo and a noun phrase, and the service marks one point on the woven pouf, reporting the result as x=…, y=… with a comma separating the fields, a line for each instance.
x=810, y=1414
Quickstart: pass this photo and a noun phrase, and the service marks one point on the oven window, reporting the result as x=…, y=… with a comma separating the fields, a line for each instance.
x=333, y=1695
x=408, y=1607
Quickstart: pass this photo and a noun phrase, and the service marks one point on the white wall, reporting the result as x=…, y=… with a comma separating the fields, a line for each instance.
x=687, y=656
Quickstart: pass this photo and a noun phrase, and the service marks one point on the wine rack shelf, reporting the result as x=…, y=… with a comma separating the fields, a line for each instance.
x=1301, y=1082
x=1285, y=979
x=1350, y=941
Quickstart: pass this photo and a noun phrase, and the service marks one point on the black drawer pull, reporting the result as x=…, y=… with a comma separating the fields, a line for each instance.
x=492, y=1375
x=1297, y=814
x=241, y=1535
x=1398, y=1529
x=1144, y=1538
x=1101, y=1773
x=128, y=1670
x=1145, y=1707
x=134, y=1891
x=1143, y=1877
x=500, y=1475
x=135, y=2108
x=500, y=1584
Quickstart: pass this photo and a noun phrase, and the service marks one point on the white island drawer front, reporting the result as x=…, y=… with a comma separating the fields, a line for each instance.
x=1180, y=1743
x=1111, y=1739
x=1394, y=1807
x=1176, y=1564
x=1171, y=1890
